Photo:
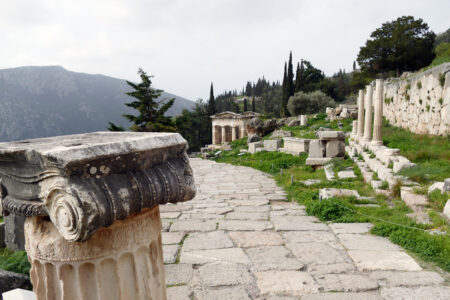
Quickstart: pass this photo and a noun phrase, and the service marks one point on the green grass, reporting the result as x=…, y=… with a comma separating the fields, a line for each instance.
x=309, y=132
x=14, y=261
x=430, y=153
x=431, y=248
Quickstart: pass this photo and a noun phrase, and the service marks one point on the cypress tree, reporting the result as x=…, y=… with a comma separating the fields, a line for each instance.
x=354, y=65
x=245, y=104
x=284, y=94
x=253, y=104
x=290, y=77
x=211, y=105
x=299, y=80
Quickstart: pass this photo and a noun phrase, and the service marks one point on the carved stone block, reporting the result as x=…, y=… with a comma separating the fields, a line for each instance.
x=93, y=229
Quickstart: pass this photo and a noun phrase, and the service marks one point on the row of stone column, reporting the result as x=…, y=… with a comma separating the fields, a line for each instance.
x=235, y=131
x=369, y=104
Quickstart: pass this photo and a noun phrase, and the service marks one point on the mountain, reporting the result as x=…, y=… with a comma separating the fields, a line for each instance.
x=48, y=101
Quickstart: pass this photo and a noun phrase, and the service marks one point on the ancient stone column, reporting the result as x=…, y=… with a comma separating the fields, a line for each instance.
x=354, y=128
x=360, y=132
x=378, y=114
x=233, y=133
x=243, y=133
x=214, y=141
x=93, y=229
x=368, y=116
x=224, y=138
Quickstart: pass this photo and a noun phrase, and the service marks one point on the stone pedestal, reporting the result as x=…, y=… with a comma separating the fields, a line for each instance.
x=360, y=131
x=91, y=202
x=378, y=115
x=123, y=261
x=304, y=120
x=368, y=116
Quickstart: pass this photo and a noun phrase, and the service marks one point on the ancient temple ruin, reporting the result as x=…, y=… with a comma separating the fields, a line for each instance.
x=228, y=126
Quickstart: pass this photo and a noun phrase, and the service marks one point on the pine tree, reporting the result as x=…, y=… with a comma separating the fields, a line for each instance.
x=245, y=104
x=114, y=127
x=211, y=105
x=253, y=104
x=151, y=113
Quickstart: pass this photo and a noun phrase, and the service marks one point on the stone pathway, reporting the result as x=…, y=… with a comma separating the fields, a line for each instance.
x=239, y=239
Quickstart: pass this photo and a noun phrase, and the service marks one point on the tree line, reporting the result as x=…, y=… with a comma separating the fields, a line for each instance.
x=405, y=44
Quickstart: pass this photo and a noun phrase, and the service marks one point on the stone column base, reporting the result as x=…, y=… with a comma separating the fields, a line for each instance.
x=123, y=261
x=377, y=143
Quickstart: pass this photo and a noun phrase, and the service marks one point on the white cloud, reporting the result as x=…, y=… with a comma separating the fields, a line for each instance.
x=188, y=44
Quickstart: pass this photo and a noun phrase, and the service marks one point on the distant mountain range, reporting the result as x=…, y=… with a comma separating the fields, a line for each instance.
x=48, y=101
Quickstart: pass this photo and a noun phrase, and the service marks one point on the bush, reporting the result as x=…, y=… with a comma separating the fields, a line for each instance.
x=14, y=261
x=443, y=50
x=328, y=210
x=309, y=103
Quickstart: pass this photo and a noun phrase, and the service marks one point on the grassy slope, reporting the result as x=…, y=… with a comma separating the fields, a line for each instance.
x=431, y=248
x=430, y=153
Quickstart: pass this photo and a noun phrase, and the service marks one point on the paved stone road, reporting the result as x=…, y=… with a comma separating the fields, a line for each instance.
x=238, y=239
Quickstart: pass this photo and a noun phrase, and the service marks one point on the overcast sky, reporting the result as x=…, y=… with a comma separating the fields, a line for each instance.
x=187, y=44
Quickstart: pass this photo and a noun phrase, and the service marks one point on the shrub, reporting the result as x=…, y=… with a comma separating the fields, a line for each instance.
x=384, y=185
x=428, y=107
x=441, y=101
x=419, y=85
x=14, y=261
x=443, y=49
x=309, y=103
x=328, y=210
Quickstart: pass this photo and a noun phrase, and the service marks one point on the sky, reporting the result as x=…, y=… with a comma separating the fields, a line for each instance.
x=187, y=44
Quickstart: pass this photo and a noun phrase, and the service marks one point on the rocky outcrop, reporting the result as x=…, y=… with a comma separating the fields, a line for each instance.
x=255, y=126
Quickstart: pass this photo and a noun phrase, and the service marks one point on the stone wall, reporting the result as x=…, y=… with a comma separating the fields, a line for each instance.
x=421, y=102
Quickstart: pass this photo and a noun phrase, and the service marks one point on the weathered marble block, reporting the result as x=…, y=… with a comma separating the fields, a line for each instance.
x=272, y=145
x=330, y=135
x=252, y=147
x=295, y=145
x=91, y=202
x=316, y=149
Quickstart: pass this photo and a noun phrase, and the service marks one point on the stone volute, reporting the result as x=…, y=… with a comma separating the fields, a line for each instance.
x=93, y=229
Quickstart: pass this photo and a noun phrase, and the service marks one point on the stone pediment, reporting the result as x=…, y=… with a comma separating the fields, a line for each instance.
x=227, y=115
x=233, y=115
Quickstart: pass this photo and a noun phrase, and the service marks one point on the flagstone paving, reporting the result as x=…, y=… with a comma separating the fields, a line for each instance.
x=238, y=239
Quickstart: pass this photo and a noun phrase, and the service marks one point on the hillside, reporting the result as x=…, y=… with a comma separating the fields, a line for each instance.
x=48, y=101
